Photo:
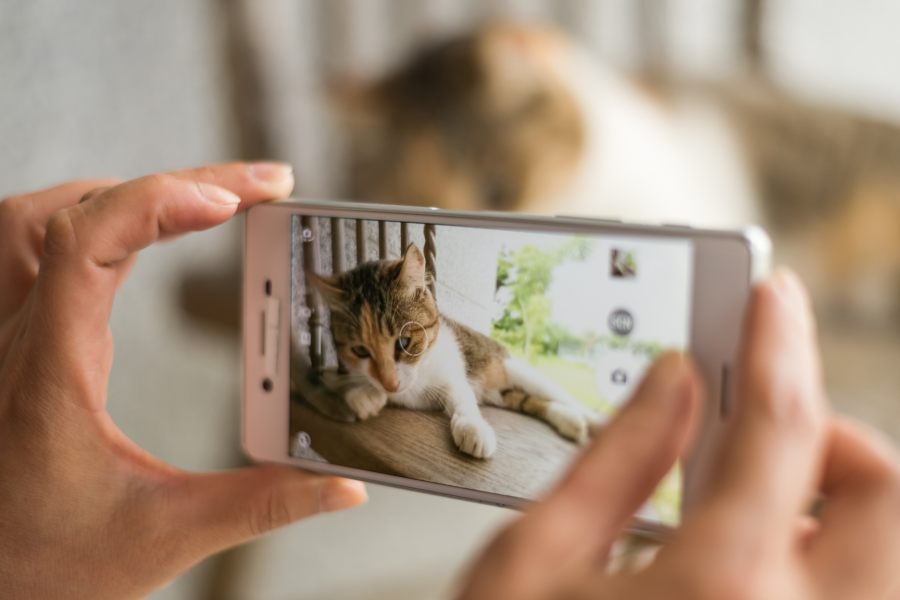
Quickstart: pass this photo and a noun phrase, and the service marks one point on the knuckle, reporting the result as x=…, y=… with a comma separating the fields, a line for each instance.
x=206, y=173
x=12, y=210
x=92, y=193
x=158, y=181
x=271, y=512
x=787, y=399
x=159, y=190
x=60, y=237
x=791, y=408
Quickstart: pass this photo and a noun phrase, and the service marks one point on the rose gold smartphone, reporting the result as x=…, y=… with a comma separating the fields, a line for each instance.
x=472, y=355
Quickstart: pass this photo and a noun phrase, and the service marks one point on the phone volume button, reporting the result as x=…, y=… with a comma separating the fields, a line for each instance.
x=273, y=326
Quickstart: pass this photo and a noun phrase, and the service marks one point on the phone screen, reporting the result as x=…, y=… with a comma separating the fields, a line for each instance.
x=472, y=357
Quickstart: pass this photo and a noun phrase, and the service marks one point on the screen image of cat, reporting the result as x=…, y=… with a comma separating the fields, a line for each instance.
x=438, y=354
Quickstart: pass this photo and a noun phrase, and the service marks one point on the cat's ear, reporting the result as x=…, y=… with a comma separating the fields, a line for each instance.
x=412, y=267
x=328, y=287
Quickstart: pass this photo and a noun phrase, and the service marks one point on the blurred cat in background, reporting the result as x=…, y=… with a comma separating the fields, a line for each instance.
x=520, y=118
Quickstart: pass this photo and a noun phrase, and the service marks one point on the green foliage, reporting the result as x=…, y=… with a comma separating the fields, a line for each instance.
x=666, y=499
x=525, y=276
x=650, y=350
x=523, y=279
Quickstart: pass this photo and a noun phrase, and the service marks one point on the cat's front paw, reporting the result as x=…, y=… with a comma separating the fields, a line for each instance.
x=366, y=401
x=573, y=423
x=473, y=436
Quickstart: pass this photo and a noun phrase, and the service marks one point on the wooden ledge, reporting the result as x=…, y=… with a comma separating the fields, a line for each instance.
x=418, y=445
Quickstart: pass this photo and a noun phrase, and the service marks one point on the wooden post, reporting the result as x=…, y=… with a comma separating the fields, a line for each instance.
x=338, y=262
x=362, y=242
x=431, y=256
x=382, y=240
x=310, y=238
x=337, y=247
x=404, y=237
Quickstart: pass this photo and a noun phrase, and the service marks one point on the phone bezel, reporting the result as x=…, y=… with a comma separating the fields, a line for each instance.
x=726, y=263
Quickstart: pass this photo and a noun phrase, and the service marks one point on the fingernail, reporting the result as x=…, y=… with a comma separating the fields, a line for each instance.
x=270, y=172
x=791, y=291
x=340, y=494
x=214, y=193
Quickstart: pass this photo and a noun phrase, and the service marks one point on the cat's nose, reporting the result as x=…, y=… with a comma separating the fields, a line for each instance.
x=386, y=374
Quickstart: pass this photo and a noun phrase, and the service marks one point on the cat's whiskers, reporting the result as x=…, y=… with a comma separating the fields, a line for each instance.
x=434, y=395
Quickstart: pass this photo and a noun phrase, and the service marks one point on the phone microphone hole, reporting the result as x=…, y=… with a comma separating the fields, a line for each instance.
x=267, y=384
x=268, y=287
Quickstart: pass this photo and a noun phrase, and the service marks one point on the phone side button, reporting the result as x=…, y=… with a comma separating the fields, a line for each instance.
x=273, y=320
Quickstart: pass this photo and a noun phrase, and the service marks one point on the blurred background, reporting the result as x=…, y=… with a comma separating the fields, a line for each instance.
x=805, y=93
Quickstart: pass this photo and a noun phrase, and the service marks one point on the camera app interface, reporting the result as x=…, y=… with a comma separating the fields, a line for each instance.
x=472, y=357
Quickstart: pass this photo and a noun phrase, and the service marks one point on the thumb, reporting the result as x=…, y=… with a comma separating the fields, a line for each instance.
x=224, y=509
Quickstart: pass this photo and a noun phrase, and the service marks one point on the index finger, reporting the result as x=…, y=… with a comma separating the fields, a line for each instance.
x=767, y=468
x=251, y=182
x=89, y=244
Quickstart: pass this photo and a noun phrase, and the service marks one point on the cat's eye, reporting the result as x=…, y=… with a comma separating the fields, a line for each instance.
x=360, y=351
x=403, y=344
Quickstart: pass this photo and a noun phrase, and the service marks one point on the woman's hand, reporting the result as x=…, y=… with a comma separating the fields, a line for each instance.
x=747, y=536
x=84, y=512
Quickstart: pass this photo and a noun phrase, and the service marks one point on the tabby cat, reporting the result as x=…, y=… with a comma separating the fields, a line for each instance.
x=520, y=118
x=389, y=334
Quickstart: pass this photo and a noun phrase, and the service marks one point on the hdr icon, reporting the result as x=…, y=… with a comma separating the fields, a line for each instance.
x=620, y=322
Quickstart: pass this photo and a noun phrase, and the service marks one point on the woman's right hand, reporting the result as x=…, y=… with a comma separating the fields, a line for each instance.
x=747, y=537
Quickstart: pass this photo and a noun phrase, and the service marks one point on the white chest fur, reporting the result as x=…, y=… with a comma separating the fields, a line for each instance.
x=425, y=385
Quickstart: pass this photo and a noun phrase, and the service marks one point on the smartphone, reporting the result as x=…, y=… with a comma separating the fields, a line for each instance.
x=472, y=355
